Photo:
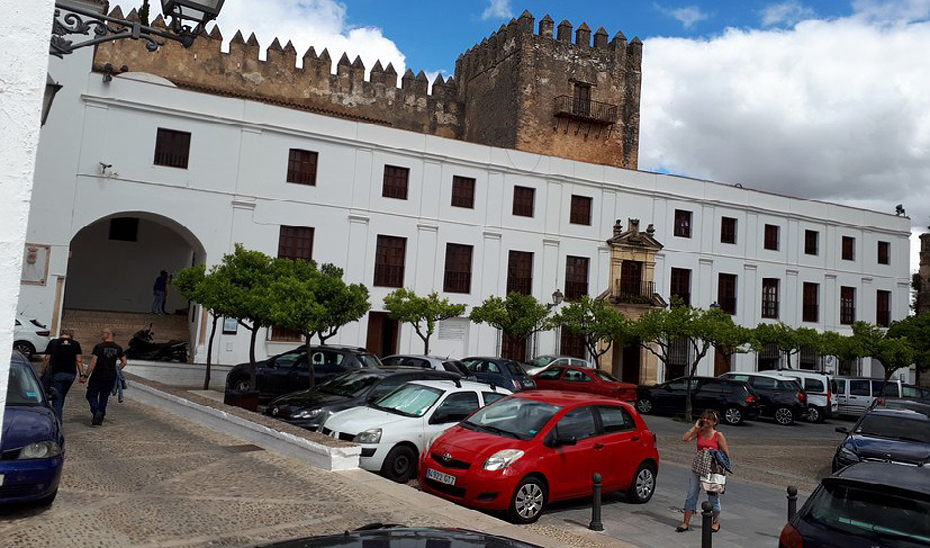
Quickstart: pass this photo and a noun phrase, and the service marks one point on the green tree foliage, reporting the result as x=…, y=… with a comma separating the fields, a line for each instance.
x=518, y=316
x=789, y=340
x=916, y=329
x=423, y=313
x=596, y=322
x=893, y=352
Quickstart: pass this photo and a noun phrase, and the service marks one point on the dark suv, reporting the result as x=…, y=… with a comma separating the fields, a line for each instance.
x=734, y=400
x=502, y=372
x=898, y=434
x=290, y=371
x=779, y=398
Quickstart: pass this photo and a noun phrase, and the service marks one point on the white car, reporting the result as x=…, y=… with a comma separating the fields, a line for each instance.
x=394, y=430
x=426, y=362
x=822, y=397
x=30, y=338
x=539, y=363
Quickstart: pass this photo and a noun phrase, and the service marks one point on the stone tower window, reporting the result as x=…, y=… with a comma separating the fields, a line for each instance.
x=581, y=99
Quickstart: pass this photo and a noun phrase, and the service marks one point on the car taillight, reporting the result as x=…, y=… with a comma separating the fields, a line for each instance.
x=790, y=538
x=829, y=398
x=43, y=333
x=802, y=397
x=751, y=399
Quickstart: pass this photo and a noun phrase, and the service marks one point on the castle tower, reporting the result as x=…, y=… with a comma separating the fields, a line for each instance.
x=554, y=93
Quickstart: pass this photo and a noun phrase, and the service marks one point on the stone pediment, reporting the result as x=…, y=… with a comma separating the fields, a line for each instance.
x=633, y=237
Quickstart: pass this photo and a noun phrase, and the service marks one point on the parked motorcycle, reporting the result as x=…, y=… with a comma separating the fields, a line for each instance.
x=142, y=346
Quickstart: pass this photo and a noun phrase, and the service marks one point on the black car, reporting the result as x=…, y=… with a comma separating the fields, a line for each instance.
x=310, y=408
x=779, y=398
x=290, y=371
x=890, y=434
x=404, y=537
x=502, y=372
x=736, y=401
x=866, y=505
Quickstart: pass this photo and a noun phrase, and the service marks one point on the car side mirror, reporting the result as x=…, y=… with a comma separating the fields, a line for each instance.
x=558, y=441
x=842, y=429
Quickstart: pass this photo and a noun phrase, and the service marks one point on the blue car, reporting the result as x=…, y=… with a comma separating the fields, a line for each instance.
x=897, y=433
x=501, y=372
x=32, y=447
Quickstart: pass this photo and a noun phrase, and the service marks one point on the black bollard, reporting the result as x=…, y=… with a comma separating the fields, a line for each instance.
x=792, y=501
x=707, y=524
x=596, y=524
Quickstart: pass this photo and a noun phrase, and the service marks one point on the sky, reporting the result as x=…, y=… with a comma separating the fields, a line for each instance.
x=821, y=99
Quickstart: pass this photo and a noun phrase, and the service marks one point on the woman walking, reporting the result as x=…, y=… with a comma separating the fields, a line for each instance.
x=707, y=436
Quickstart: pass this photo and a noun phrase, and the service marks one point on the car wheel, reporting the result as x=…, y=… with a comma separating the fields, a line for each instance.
x=243, y=385
x=733, y=416
x=644, y=484
x=400, y=464
x=644, y=406
x=784, y=416
x=814, y=414
x=529, y=500
x=25, y=348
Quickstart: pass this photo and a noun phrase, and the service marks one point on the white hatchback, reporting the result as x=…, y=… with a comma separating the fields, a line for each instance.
x=30, y=338
x=396, y=429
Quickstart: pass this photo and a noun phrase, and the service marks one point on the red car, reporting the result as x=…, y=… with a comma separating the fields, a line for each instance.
x=523, y=451
x=583, y=379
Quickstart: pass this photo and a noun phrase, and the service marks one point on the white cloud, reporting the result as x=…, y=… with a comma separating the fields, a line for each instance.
x=834, y=110
x=892, y=11
x=785, y=13
x=498, y=9
x=687, y=16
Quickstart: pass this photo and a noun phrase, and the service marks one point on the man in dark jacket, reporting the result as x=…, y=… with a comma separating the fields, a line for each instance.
x=63, y=362
x=160, y=289
x=101, y=374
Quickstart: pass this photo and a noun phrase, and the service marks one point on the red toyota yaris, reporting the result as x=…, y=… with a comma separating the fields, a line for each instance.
x=523, y=451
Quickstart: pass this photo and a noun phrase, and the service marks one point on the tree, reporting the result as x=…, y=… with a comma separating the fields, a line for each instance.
x=421, y=312
x=518, y=316
x=916, y=329
x=787, y=339
x=870, y=341
x=733, y=340
x=596, y=322
x=194, y=285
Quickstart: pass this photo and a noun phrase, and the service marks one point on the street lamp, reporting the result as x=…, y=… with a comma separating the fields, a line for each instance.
x=557, y=298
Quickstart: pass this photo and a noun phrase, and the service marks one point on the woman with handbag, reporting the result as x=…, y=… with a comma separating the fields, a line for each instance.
x=708, y=439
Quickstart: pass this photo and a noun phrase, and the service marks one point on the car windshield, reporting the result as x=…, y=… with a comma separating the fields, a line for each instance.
x=410, y=400
x=541, y=361
x=393, y=361
x=604, y=375
x=520, y=418
x=895, y=427
x=868, y=513
x=368, y=360
x=22, y=388
x=350, y=384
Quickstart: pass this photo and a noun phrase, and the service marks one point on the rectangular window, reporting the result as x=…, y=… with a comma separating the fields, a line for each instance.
x=811, y=241
x=811, y=305
x=883, y=308
x=682, y=223
x=681, y=285
x=849, y=248
x=389, y=261
x=523, y=201
x=457, y=278
x=576, y=277
x=884, y=253
x=124, y=229
x=770, y=298
x=172, y=148
x=463, y=192
x=520, y=272
x=295, y=242
x=727, y=230
x=726, y=292
x=847, y=305
x=301, y=167
x=581, y=99
x=771, y=237
x=572, y=345
x=395, y=182
x=581, y=210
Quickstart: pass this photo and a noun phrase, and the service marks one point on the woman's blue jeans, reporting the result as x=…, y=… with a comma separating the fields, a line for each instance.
x=61, y=382
x=694, y=491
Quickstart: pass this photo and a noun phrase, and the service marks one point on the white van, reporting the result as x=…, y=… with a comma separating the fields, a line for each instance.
x=822, y=402
x=855, y=394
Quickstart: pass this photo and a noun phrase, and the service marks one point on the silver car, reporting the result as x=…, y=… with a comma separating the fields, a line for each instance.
x=426, y=362
x=539, y=363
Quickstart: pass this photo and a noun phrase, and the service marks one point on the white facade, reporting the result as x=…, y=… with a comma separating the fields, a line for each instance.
x=235, y=191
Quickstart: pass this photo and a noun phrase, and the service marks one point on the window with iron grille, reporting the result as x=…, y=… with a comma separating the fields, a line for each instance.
x=523, y=200
x=581, y=99
x=576, y=277
x=681, y=285
x=808, y=358
x=389, y=261
x=727, y=230
x=520, y=272
x=771, y=237
x=301, y=167
x=172, y=148
x=726, y=292
x=457, y=277
x=769, y=357
x=513, y=347
x=883, y=308
x=811, y=242
x=395, y=182
x=682, y=223
x=679, y=357
x=295, y=242
x=847, y=305
x=884, y=253
x=849, y=248
x=463, y=192
x=572, y=345
x=811, y=306
x=581, y=210
x=770, y=298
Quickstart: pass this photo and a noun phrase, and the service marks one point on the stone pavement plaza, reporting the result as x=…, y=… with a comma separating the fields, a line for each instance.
x=151, y=479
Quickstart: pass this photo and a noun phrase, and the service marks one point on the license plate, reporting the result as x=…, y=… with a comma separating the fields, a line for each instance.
x=440, y=477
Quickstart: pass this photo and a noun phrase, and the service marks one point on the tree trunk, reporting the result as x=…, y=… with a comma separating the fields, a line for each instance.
x=310, y=367
x=206, y=377
x=253, y=378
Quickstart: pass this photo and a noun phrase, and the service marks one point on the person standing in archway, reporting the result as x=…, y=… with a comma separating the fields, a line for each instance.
x=101, y=374
x=160, y=289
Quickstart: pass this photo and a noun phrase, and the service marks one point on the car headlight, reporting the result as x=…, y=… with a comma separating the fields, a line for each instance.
x=503, y=459
x=848, y=454
x=307, y=414
x=40, y=450
x=372, y=435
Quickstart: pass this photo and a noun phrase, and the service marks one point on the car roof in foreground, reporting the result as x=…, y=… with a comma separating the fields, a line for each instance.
x=405, y=537
x=918, y=412
x=562, y=398
x=884, y=476
x=444, y=384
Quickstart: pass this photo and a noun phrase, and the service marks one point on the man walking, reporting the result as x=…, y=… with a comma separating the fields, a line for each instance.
x=63, y=362
x=101, y=374
x=160, y=289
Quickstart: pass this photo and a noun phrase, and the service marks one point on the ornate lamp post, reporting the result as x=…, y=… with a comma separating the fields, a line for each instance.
x=557, y=298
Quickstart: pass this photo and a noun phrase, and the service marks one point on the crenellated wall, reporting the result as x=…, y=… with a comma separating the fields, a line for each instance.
x=503, y=94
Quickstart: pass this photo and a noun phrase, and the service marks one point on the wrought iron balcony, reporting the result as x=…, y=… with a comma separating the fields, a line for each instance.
x=634, y=291
x=585, y=110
